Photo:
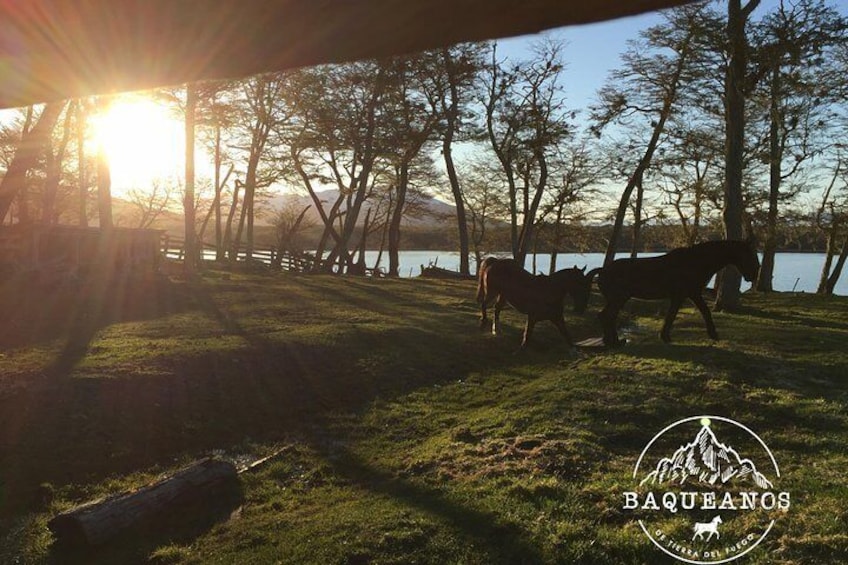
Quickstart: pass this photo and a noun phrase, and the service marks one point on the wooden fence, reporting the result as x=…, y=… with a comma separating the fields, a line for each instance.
x=174, y=249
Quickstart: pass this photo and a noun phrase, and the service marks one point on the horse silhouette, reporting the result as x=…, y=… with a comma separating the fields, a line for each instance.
x=679, y=274
x=710, y=528
x=540, y=297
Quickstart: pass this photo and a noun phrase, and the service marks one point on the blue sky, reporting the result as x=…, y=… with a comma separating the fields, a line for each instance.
x=593, y=50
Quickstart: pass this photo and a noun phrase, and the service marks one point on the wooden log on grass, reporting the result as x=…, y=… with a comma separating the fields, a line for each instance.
x=97, y=522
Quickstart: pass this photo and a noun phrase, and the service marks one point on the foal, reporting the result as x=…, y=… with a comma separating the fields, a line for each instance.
x=679, y=274
x=538, y=296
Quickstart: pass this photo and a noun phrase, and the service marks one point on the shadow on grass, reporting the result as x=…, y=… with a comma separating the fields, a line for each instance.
x=73, y=429
x=504, y=542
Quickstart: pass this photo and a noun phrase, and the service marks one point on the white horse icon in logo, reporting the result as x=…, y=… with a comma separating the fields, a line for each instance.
x=707, y=527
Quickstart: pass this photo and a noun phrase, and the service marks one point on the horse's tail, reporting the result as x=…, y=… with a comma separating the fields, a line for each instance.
x=481, y=277
x=591, y=274
x=481, y=291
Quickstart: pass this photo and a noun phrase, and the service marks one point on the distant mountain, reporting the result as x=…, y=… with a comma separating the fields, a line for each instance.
x=706, y=460
x=433, y=212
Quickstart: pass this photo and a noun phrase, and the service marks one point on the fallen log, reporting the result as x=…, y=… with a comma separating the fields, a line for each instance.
x=97, y=522
x=434, y=272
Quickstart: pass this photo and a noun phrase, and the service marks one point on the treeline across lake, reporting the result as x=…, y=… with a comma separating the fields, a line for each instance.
x=581, y=239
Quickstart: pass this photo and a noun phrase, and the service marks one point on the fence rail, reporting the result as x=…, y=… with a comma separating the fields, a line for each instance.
x=174, y=249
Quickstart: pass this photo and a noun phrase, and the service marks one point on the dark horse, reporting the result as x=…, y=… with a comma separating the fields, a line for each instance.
x=679, y=274
x=539, y=296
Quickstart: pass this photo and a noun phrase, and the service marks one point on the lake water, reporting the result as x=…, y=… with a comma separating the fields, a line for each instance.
x=793, y=271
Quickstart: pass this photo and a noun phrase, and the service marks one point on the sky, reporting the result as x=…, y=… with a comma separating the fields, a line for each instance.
x=593, y=50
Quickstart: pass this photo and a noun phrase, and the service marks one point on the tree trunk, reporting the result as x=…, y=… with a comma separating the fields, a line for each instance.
x=228, y=228
x=219, y=187
x=104, y=191
x=734, y=123
x=81, y=119
x=31, y=146
x=54, y=171
x=528, y=230
x=394, y=224
x=837, y=270
x=452, y=115
x=830, y=251
x=766, y=275
x=191, y=255
x=637, y=220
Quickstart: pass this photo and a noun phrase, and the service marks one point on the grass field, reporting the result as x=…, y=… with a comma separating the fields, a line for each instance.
x=407, y=435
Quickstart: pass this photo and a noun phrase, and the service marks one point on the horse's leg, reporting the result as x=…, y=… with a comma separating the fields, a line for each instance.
x=528, y=330
x=483, y=314
x=496, y=318
x=673, y=308
x=698, y=300
x=560, y=324
x=608, y=317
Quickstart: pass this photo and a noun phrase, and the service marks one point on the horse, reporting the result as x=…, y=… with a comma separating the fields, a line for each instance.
x=710, y=528
x=540, y=297
x=679, y=274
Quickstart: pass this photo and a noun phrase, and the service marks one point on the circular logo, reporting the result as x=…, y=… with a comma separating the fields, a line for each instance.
x=704, y=490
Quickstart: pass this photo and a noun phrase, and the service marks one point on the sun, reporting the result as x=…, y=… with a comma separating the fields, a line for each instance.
x=143, y=141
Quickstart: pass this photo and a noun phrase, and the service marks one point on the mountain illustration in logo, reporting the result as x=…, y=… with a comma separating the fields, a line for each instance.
x=706, y=460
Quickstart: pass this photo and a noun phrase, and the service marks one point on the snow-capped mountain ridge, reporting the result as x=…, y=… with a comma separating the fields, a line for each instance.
x=706, y=460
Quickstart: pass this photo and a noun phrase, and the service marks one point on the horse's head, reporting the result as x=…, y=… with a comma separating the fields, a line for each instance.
x=746, y=260
x=575, y=282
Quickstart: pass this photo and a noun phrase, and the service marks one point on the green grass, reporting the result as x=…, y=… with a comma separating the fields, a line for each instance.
x=407, y=435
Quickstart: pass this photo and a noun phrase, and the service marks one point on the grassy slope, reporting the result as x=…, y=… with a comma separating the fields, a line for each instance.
x=408, y=435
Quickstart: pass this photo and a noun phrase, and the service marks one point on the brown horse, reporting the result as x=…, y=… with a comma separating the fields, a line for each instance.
x=679, y=274
x=538, y=296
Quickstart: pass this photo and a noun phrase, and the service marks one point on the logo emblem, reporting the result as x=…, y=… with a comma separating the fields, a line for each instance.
x=705, y=490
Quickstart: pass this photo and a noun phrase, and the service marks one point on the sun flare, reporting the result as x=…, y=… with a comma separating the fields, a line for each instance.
x=143, y=142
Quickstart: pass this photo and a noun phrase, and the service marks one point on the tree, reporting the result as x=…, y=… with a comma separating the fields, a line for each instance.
x=334, y=138
x=32, y=145
x=832, y=218
x=526, y=119
x=413, y=116
x=483, y=194
x=734, y=120
x=573, y=175
x=792, y=54
x=192, y=255
x=261, y=109
x=54, y=167
x=461, y=65
x=646, y=89
x=150, y=203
